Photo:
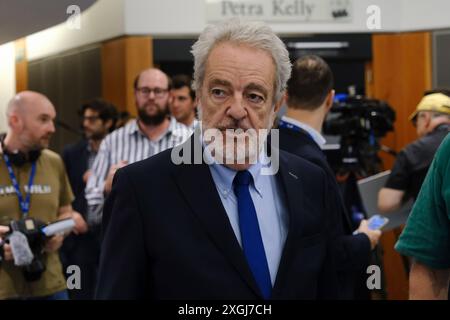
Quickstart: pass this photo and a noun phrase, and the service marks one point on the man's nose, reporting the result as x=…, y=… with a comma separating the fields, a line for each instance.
x=151, y=95
x=51, y=128
x=237, y=110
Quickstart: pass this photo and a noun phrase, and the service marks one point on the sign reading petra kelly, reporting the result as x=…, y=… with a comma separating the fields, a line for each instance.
x=281, y=10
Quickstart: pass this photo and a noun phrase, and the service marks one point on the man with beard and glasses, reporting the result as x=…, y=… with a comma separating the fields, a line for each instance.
x=98, y=119
x=152, y=132
x=34, y=184
x=223, y=224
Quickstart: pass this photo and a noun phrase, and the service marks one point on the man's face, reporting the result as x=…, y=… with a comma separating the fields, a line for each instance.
x=94, y=128
x=182, y=106
x=238, y=93
x=152, y=97
x=38, y=126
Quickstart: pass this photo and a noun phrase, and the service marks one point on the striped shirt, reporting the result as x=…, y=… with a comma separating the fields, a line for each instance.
x=129, y=144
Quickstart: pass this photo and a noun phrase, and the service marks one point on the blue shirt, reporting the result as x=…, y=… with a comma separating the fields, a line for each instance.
x=270, y=209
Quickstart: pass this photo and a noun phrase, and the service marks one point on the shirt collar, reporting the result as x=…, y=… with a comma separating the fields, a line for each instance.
x=316, y=136
x=173, y=128
x=194, y=124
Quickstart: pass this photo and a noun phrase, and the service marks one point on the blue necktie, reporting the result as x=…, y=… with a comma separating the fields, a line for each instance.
x=250, y=234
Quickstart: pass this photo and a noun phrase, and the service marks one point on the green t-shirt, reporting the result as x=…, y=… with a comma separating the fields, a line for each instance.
x=426, y=236
x=49, y=192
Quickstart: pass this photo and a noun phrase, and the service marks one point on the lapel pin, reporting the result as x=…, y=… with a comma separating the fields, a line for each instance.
x=293, y=175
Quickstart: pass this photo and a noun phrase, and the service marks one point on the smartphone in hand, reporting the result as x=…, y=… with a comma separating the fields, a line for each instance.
x=377, y=222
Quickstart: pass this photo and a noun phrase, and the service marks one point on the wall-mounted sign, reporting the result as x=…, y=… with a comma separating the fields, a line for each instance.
x=281, y=10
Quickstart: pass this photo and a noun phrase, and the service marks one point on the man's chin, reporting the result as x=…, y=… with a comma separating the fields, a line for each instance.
x=43, y=145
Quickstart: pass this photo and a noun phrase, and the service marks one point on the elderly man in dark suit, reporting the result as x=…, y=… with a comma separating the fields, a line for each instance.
x=217, y=217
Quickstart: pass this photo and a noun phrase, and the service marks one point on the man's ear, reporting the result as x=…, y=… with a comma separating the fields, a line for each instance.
x=329, y=100
x=15, y=122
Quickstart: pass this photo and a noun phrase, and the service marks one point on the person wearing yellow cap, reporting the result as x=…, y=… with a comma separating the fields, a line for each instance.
x=432, y=121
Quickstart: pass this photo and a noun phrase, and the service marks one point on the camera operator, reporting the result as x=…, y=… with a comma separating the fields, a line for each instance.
x=33, y=184
x=432, y=122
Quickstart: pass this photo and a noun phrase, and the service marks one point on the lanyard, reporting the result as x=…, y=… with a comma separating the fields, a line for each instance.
x=24, y=204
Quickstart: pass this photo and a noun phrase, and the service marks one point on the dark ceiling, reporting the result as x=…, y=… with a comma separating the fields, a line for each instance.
x=19, y=18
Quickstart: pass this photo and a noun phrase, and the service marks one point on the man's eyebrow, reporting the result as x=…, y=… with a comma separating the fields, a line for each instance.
x=44, y=115
x=257, y=87
x=219, y=82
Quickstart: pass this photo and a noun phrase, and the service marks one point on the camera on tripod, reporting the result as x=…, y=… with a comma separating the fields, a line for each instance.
x=27, y=238
x=360, y=122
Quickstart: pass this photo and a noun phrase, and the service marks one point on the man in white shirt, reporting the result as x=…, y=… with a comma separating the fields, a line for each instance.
x=152, y=132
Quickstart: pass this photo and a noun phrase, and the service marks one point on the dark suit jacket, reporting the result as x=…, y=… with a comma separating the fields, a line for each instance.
x=167, y=236
x=354, y=251
x=84, y=248
x=75, y=158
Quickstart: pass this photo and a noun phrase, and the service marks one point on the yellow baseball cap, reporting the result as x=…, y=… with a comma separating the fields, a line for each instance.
x=437, y=102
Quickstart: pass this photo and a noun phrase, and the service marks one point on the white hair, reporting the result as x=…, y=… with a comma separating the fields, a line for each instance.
x=254, y=34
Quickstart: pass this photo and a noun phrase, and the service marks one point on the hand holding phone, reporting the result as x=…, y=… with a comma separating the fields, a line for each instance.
x=377, y=222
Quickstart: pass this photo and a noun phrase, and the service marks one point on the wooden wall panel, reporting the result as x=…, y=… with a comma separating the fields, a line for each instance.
x=122, y=60
x=21, y=65
x=401, y=73
x=68, y=79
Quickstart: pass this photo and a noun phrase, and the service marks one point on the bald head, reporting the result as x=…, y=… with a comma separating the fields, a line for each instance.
x=30, y=120
x=152, y=73
x=25, y=102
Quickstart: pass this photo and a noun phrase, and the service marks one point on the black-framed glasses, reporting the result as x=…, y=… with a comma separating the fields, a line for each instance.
x=158, y=92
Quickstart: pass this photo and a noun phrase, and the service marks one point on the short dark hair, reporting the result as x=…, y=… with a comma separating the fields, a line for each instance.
x=310, y=83
x=182, y=80
x=106, y=110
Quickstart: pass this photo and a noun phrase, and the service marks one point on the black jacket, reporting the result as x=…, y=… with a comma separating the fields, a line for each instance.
x=354, y=250
x=84, y=248
x=167, y=236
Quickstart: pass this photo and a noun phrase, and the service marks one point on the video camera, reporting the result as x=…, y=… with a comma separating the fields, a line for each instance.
x=360, y=122
x=360, y=117
x=27, y=238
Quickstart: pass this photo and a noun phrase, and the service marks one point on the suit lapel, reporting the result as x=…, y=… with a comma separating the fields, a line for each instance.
x=197, y=185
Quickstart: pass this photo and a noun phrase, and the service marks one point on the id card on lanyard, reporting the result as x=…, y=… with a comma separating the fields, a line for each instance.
x=23, y=203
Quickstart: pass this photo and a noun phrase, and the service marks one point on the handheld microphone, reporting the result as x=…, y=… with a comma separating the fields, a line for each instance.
x=20, y=249
x=58, y=227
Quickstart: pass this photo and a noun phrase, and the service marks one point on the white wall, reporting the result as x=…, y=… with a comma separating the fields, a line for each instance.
x=7, y=80
x=108, y=19
x=425, y=15
x=183, y=17
x=103, y=20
